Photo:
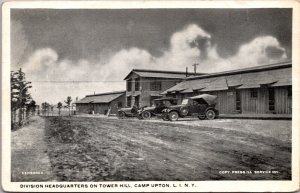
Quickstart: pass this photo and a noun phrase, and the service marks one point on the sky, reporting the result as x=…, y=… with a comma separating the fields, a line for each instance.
x=80, y=52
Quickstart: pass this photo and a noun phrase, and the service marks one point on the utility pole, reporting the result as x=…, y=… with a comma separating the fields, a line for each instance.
x=186, y=72
x=195, y=68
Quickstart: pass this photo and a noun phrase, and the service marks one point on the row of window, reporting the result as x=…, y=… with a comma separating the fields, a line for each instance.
x=154, y=85
x=254, y=93
x=136, y=85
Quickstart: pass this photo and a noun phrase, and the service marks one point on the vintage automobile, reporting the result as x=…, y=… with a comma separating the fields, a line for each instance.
x=202, y=106
x=129, y=112
x=158, y=106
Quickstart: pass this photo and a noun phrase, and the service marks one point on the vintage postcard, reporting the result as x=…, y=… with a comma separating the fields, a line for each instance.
x=150, y=96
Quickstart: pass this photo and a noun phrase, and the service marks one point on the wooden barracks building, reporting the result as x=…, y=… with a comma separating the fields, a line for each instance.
x=143, y=86
x=101, y=103
x=260, y=90
x=257, y=90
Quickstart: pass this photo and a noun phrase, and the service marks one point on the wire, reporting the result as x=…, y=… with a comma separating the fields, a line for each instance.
x=91, y=81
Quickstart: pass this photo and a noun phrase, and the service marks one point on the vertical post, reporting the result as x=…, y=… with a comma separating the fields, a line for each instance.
x=195, y=68
x=186, y=72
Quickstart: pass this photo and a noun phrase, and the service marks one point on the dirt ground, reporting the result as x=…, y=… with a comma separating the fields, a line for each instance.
x=97, y=149
x=30, y=161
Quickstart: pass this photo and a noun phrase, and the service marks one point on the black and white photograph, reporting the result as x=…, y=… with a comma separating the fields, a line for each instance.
x=149, y=98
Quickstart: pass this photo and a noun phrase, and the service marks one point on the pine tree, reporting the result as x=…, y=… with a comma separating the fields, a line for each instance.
x=20, y=96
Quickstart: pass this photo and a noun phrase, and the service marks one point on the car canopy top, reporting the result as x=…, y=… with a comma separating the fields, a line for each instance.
x=209, y=99
x=165, y=99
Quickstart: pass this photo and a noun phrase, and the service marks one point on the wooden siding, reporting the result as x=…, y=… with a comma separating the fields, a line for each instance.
x=100, y=108
x=283, y=103
x=145, y=91
x=114, y=104
x=88, y=108
x=226, y=101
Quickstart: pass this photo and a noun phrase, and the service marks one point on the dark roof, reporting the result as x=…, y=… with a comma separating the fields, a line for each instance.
x=101, y=97
x=273, y=75
x=245, y=70
x=160, y=74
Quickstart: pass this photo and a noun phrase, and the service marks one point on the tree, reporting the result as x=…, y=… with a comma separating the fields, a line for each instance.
x=51, y=108
x=14, y=86
x=20, y=96
x=30, y=108
x=59, y=106
x=68, y=104
x=45, y=108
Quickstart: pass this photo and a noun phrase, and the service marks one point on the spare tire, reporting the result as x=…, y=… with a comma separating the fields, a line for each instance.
x=184, y=111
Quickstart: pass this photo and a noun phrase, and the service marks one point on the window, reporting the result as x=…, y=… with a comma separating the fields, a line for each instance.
x=128, y=85
x=155, y=85
x=129, y=101
x=120, y=104
x=290, y=92
x=253, y=93
x=137, y=84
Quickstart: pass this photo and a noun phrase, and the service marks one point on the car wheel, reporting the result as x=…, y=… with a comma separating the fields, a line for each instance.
x=165, y=117
x=140, y=117
x=121, y=115
x=173, y=116
x=146, y=115
x=184, y=111
x=210, y=114
x=201, y=117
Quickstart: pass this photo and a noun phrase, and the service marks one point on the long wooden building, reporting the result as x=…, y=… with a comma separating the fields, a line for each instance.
x=102, y=103
x=262, y=90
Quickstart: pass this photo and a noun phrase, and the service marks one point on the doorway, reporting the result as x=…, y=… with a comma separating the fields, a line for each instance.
x=271, y=99
x=238, y=102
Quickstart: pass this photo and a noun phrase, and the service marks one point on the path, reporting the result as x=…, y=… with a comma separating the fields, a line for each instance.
x=30, y=161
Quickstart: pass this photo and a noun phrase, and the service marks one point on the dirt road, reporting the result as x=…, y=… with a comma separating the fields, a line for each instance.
x=30, y=161
x=96, y=149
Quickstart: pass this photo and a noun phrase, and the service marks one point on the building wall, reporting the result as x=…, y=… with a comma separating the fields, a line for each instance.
x=114, y=104
x=84, y=108
x=283, y=103
x=101, y=108
x=226, y=101
x=145, y=91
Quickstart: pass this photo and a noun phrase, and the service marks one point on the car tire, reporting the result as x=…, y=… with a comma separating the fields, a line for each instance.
x=210, y=114
x=184, y=111
x=166, y=117
x=121, y=115
x=146, y=115
x=173, y=116
x=140, y=117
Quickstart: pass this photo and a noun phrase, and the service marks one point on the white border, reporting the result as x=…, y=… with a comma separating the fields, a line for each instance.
x=202, y=186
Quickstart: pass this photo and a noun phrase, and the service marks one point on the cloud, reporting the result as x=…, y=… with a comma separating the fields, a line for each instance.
x=260, y=51
x=19, y=44
x=186, y=47
x=190, y=45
